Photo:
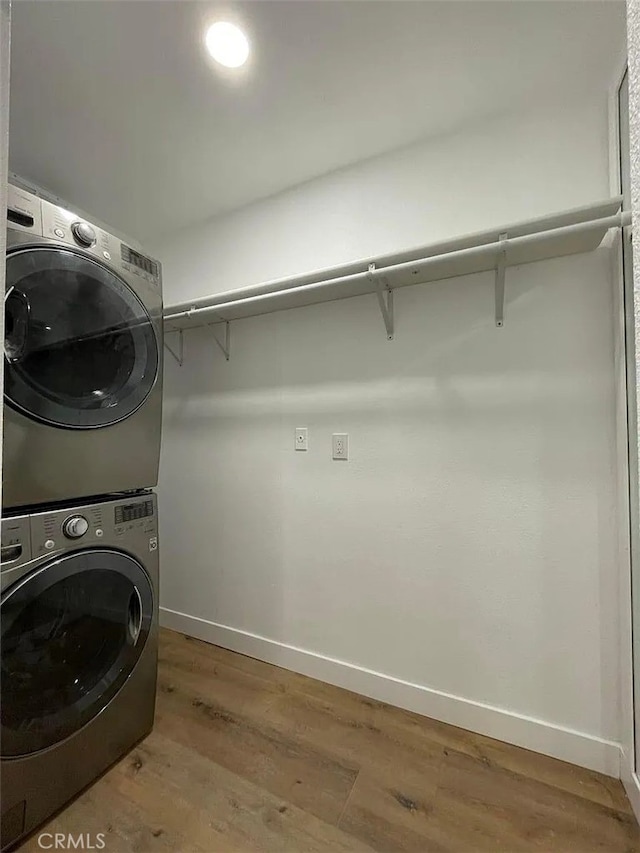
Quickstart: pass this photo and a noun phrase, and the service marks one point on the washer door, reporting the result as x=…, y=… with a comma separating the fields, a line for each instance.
x=71, y=634
x=80, y=348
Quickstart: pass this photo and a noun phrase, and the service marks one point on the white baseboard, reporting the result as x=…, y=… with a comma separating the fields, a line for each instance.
x=528, y=732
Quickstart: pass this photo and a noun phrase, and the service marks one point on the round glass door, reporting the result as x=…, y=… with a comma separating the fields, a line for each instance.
x=71, y=634
x=80, y=348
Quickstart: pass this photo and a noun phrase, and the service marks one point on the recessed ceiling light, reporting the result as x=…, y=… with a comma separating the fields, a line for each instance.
x=227, y=44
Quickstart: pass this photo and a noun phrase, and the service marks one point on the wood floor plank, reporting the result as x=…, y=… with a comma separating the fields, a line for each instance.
x=418, y=732
x=178, y=646
x=413, y=731
x=346, y=733
x=306, y=776
x=216, y=808
x=391, y=813
x=485, y=807
x=560, y=774
x=165, y=797
x=356, y=741
x=104, y=809
x=247, y=675
x=343, y=731
x=246, y=756
x=232, y=688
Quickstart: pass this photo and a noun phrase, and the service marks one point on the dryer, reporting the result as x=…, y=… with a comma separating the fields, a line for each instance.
x=83, y=358
x=78, y=650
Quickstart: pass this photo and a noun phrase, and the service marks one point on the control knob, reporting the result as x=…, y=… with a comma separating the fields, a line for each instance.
x=84, y=233
x=75, y=527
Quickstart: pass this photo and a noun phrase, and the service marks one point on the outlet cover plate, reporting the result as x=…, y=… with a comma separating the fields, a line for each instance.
x=340, y=445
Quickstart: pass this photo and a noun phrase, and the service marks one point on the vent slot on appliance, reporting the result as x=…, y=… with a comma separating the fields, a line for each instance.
x=20, y=218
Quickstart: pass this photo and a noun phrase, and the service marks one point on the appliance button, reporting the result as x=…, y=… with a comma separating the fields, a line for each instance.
x=49, y=544
x=75, y=527
x=84, y=233
x=106, y=255
x=99, y=531
x=59, y=233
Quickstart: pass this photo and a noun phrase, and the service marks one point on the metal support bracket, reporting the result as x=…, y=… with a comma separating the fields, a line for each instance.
x=500, y=277
x=179, y=356
x=385, y=301
x=226, y=346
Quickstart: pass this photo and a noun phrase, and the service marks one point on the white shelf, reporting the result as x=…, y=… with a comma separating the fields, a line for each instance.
x=566, y=233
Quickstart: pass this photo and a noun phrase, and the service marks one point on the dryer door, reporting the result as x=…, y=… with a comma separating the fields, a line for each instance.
x=71, y=634
x=80, y=348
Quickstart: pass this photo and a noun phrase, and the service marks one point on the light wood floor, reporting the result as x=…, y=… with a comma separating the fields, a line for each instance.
x=245, y=756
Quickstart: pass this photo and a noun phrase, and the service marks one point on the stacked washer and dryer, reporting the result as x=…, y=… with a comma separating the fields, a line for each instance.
x=79, y=580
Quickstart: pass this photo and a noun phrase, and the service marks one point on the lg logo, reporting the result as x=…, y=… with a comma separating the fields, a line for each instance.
x=65, y=841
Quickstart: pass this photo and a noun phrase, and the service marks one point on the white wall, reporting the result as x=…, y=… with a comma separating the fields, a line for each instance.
x=462, y=563
x=500, y=172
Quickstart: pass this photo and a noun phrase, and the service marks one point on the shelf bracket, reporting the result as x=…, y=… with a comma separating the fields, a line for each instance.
x=226, y=346
x=500, y=277
x=385, y=301
x=179, y=356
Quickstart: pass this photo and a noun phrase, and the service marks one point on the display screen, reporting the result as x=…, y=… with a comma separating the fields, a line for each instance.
x=146, y=264
x=133, y=512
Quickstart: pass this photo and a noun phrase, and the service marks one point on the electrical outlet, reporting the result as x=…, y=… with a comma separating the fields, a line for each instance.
x=340, y=444
x=302, y=439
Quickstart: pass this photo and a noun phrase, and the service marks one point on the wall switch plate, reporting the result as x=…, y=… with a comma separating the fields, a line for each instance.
x=302, y=438
x=340, y=445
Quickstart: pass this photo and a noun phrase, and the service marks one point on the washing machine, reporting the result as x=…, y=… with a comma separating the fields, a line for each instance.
x=78, y=650
x=83, y=358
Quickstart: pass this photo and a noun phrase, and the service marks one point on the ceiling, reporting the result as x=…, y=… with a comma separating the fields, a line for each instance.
x=116, y=108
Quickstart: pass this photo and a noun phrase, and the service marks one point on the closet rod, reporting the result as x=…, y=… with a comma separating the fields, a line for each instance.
x=455, y=263
x=543, y=224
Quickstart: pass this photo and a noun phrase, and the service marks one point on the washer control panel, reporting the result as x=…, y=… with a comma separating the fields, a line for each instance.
x=29, y=541
x=122, y=522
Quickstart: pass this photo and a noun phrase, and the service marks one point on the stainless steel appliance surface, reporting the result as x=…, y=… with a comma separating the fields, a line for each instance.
x=83, y=358
x=79, y=623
